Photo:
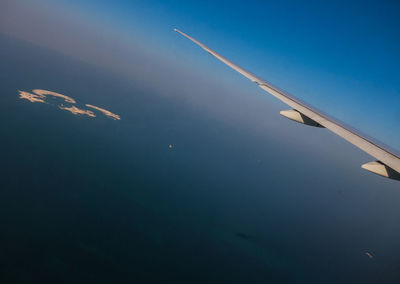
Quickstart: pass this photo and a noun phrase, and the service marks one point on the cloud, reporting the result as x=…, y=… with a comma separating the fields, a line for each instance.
x=105, y=112
x=44, y=93
x=40, y=96
x=30, y=97
x=76, y=111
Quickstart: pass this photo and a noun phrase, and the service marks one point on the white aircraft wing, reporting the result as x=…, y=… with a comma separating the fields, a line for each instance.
x=388, y=160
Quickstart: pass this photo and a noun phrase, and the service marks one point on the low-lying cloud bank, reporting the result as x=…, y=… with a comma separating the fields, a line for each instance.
x=40, y=96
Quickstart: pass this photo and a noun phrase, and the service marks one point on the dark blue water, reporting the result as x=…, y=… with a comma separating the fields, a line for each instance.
x=87, y=200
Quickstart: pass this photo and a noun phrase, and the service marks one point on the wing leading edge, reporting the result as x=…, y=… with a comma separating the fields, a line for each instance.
x=388, y=160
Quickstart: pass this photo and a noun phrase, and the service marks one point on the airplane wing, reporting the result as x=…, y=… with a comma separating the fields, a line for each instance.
x=388, y=160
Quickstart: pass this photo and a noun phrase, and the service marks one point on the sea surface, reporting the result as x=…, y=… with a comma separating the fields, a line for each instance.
x=169, y=193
